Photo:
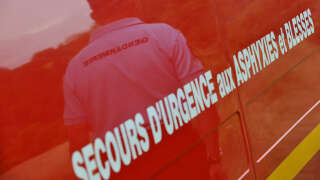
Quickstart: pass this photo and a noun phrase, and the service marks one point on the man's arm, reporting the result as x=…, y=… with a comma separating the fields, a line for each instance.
x=187, y=66
x=75, y=116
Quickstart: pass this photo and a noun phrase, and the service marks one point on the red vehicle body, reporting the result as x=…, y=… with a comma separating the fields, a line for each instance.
x=264, y=59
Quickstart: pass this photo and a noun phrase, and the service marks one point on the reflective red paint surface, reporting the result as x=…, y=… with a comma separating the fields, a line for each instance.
x=275, y=98
x=39, y=40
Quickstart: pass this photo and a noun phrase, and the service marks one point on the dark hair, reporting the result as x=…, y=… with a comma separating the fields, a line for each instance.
x=104, y=10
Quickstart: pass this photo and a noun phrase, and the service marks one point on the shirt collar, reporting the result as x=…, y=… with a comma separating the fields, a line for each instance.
x=119, y=24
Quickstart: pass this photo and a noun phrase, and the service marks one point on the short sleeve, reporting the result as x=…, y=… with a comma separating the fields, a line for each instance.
x=74, y=112
x=187, y=66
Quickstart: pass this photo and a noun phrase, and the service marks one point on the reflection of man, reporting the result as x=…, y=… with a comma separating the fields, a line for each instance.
x=127, y=66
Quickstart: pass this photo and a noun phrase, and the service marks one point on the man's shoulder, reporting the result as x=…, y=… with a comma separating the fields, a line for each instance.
x=76, y=62
x=162, y=27
x=91, y=49
x=164, y=34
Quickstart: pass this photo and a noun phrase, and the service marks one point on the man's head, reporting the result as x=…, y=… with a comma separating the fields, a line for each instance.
x=105, y=11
